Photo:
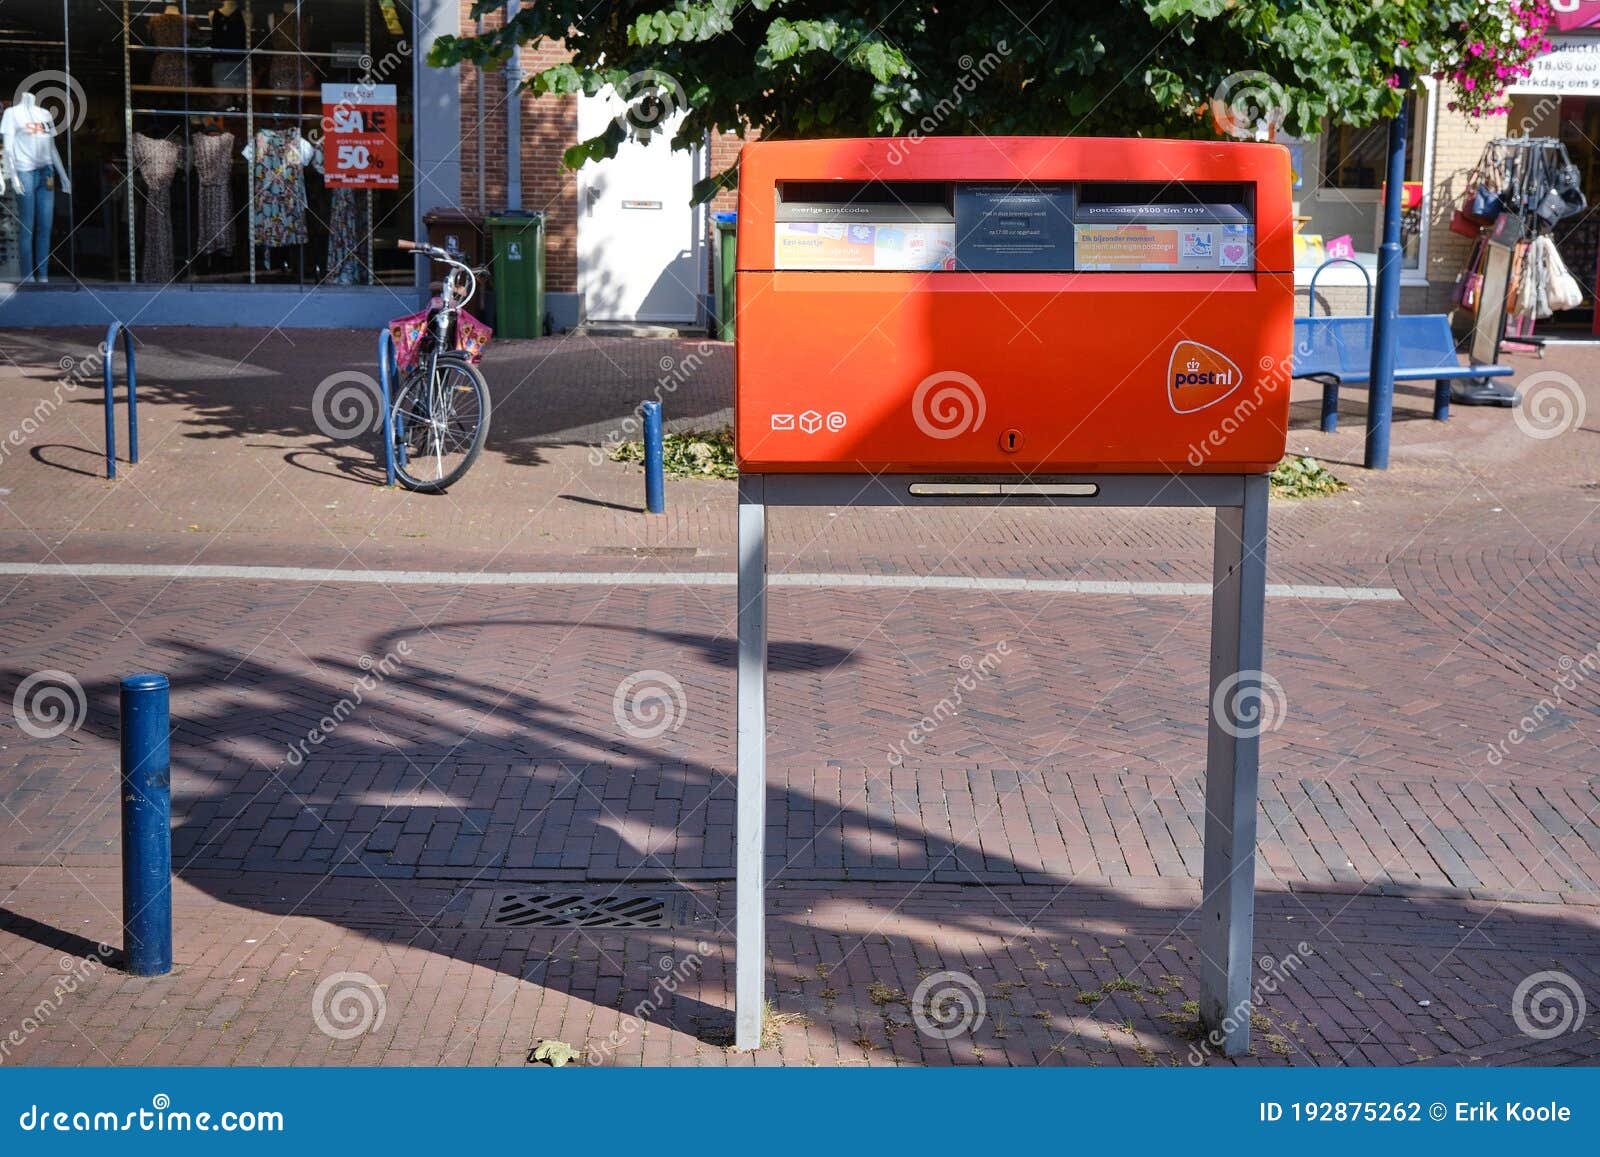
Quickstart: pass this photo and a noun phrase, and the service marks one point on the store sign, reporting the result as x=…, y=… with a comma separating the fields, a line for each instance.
x=358, y=143
x=1570, y=68
x=1570, y=14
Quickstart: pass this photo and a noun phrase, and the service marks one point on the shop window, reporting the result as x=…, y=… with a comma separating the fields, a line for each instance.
x=1339, y=178
x=194, y=138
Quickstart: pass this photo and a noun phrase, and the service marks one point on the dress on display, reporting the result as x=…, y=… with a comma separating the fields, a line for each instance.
x=278, y=170
x=344, y=236
x=156, y=161
x=287, y=33
x=167, y=31
x=213, y=161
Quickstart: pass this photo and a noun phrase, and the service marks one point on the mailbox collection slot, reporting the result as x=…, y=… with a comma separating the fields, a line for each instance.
x=990, y=227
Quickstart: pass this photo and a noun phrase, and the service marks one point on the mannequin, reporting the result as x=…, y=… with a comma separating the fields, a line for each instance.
x=228, y=37
x=288, y=32
x=33, y=170
x=166, y=29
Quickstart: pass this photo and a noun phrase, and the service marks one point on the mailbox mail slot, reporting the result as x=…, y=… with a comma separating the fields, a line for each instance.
x=1013, y=304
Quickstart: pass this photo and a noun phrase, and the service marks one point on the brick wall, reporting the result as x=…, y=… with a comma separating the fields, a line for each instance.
x=1457, y=143
x=724, y=152
x=549, y=126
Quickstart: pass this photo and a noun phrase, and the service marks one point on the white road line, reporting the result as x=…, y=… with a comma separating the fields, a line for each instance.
x=300, y=574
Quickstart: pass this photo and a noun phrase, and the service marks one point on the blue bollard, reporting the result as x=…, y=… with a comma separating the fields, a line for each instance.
x=146, y=825
x=655, y=501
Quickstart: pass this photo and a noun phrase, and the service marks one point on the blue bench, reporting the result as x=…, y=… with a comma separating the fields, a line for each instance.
x=1337, y=351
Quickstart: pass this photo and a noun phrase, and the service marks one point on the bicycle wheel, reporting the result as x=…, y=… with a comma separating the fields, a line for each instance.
x=440, y=426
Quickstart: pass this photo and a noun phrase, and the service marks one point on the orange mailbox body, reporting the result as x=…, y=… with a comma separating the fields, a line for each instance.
x=1015, y=304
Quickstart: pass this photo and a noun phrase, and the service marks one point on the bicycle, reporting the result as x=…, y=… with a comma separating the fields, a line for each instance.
x=440, y=417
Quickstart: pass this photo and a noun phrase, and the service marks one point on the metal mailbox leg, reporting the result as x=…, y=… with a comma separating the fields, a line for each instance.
x=1238, y=605
x=750, y=938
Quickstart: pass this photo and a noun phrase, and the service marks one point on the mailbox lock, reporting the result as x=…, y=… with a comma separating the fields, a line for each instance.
x=1011, y=440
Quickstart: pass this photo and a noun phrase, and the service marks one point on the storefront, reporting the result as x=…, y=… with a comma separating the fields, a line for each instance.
x=1561, y=99
x=1338, y=191
x=222, y=161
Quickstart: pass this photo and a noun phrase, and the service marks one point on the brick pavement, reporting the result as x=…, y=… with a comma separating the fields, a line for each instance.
x=1081, y=975
x=1043, y=838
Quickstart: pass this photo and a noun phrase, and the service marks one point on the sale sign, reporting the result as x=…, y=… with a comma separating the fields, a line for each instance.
x=358, y=136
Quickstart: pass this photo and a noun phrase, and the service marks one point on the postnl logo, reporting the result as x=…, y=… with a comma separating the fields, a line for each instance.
x=1198, y=376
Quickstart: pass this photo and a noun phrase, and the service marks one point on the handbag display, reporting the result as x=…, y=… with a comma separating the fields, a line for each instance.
x=1484, y=200
x=1485, y=204
x=1561, y=289
x=1469, y=282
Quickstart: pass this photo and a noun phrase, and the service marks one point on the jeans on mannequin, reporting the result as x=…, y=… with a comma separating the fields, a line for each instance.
x=36, y=206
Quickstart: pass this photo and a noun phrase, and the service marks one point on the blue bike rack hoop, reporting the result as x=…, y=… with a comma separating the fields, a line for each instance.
x=109, y=366
x=387, y=358
x=1311, y=290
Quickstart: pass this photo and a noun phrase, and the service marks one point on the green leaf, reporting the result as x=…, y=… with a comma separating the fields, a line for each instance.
x=783, y=40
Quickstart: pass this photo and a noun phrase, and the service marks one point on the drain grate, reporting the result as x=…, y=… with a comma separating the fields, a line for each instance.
x=574, y=910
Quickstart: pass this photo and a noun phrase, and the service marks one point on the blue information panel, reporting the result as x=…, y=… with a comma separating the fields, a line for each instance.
x=760, y=1111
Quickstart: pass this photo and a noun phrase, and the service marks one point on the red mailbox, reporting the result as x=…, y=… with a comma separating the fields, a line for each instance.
x=1013, y=304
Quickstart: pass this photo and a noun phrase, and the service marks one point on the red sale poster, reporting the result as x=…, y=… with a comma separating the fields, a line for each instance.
x=358, y=136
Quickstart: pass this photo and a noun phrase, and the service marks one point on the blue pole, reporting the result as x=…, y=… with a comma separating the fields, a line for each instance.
x=654, y=476
x=146, y=825
x=108, y=368
x=386, y=357
x=1380, y=412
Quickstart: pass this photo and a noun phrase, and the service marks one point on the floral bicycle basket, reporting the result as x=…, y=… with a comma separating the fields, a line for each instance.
x=471, y=336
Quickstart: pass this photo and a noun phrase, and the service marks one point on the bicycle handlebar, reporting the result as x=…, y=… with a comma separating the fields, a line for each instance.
x=433, y=252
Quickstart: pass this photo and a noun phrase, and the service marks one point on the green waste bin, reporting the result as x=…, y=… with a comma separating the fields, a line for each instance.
x=727, y=244
x=518, y=240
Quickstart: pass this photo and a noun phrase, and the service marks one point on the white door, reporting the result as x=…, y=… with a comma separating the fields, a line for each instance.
x=641, y=245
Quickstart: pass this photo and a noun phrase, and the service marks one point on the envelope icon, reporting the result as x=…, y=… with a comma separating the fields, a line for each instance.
x=783, y=421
